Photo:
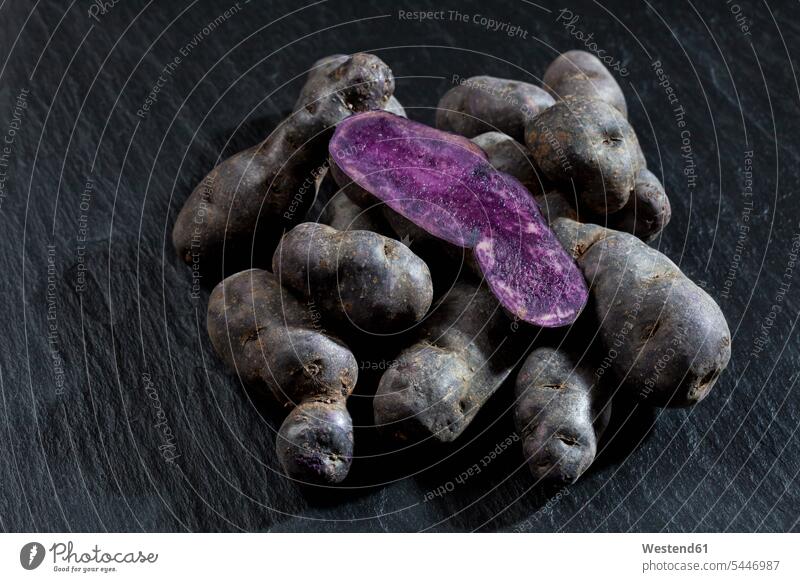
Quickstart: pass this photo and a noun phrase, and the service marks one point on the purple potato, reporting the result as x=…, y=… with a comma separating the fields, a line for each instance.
x=274, y=344
x=444, y=184
x=481, y=104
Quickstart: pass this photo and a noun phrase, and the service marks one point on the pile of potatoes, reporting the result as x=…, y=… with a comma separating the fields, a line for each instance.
x=315, y=267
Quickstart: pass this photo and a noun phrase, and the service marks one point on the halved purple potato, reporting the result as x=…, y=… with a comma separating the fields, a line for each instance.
x=444, y=184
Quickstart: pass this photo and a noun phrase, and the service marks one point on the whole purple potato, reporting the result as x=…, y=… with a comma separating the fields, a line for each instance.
x=357, y=278
x=245, y=203
x=481, y=104
x=261, y=331
x=581, y=74
x=666, y=339
x=587, y=145
x=560, y=415
x=465, y=350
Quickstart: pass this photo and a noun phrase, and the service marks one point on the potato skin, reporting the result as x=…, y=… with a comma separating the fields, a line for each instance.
x=394, y=106
x=440, y=383
x=487, y=103
x=246, y=201
x=508, y=155
x=587, y=143
x=262, y=332
x=647, y=211
x=580, y=74
x=343, y=214
x=560, y=415
x=357, y=278
x=667, y=339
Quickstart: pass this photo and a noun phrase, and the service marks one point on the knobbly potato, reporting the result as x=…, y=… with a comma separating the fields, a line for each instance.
x=581, y=74
x=587, y=145
x=647, y=211
x=666, y=340
x=357, y=278
x=560, y=415
x=481, y=104
x=465, y=350
x=247, y=201
x=261, y=331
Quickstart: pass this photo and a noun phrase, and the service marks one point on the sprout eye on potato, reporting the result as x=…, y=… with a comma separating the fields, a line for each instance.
x=545, y=214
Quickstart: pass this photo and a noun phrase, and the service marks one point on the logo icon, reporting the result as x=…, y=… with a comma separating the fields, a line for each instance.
x=31, y=555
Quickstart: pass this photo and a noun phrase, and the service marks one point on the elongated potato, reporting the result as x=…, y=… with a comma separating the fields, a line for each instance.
x=466, y=349
x=560, y=415
x=481, y=104
x=246, y=202
x=666, y=339
x=581, y=74
x=357, y=278
x=263, y=333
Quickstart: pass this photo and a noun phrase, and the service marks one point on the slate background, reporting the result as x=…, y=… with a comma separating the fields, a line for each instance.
x=86, y=457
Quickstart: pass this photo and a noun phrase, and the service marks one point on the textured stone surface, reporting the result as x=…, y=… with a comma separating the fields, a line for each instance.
x=87, y=457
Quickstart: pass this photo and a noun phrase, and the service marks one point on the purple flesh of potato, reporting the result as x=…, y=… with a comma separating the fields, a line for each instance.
x=444, y=184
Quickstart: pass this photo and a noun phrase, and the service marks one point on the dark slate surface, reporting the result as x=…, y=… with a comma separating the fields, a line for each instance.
x=114, y=314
